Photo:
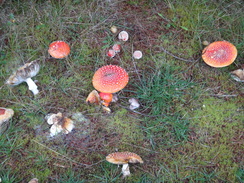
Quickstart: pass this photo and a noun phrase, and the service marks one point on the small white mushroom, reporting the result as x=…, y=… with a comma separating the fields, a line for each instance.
x=137, y=54
x=114, y=29
x=24, y=74
x=123, y=35
x=35, y=180
x=134, y=104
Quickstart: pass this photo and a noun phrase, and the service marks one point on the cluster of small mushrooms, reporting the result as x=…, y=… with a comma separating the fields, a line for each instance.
x=108, y=80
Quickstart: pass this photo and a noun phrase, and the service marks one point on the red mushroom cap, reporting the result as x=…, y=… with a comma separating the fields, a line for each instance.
x=116, y=48
x=111, y=53
x=59, y=49
x=219, y=54
x=110, y=79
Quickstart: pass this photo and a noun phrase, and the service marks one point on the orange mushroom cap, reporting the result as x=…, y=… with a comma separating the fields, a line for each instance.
x=110, y=79
x=219, y=54
x=123, y=158
x=59, y=49
x=106, y=98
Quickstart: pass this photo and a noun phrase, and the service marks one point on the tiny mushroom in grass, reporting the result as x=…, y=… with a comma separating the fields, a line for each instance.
x=5, y=115
x=116, y=48
x=59, y=123
x=137, y=54
x=114, y=29
x=109, y=79
x=123, y=35
x=111, y=53
x=123, y=158
x=24, y=74
x=34, y=180
x=205, y=43
x=134, y=104
x=219, y=54
x=59, y=49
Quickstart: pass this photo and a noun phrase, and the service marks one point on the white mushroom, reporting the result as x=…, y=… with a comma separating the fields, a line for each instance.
x=35, y=180
x=114, y=29
x=137, y=54
x=133, y=103
x=123, y=35
x=24, y=74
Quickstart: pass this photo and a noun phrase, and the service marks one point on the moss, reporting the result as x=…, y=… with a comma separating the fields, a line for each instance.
x=126, y=125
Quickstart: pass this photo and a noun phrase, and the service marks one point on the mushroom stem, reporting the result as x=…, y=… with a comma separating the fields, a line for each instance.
x=32, y=86
x=125, y=170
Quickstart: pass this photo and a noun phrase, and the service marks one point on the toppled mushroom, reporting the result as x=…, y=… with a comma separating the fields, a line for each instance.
x=124, y=158
x=59, y=49
x=109, y=79
x=59, y=124
x=134, y=104
x=219, y=54
x=5, y=115
x=24, y=74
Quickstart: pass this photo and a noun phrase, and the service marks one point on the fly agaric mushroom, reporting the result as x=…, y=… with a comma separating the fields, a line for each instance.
x=106, y=98
x=123, y=158
x=116, y=48
x=24, y=74
x=5, y=115
x=59, y=123
x=219, y=54
x=109, y=79
x=123, y=35
x=137, y=54
x=111, y=53
x=59, y=49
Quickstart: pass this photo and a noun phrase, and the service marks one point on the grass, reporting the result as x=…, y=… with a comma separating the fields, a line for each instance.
x=188, y=127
